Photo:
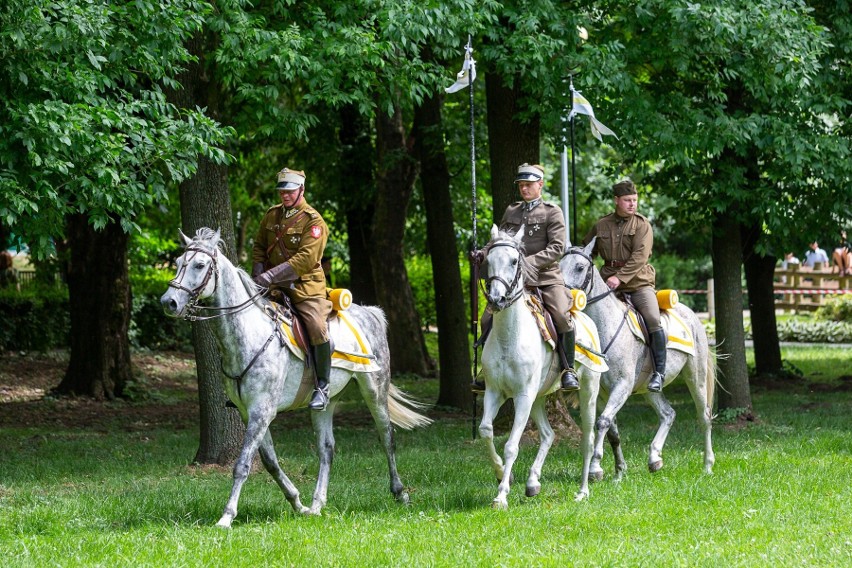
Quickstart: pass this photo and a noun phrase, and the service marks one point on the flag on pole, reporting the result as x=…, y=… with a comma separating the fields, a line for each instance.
x=582, y=106
x=468, y=73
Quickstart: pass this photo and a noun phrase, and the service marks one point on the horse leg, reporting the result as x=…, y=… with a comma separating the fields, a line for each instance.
x=604, y=423
x=703, y=409
x=666, y=414
x=589, y=388
x=523, y=406
x=491, y=403
x=614, y=437
x=257, y=426
x=378, y=405
x=322, y=422
x=545, y=431
x=270, y=462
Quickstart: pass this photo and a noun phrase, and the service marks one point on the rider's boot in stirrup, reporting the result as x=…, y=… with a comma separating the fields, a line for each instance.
x=658, y=348
x=322, y=368
x=569, y=375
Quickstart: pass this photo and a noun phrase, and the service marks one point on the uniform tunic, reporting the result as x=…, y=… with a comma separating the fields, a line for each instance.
x=544, y=243
x=297, y=235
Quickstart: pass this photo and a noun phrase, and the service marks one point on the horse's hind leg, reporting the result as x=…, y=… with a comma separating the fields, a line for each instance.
x=698, y=389
x=614, y=438
x=323, y=428
x=539, y=416
x=666, y=414
x=589, y=388
x=270, y=462
x=376, y=398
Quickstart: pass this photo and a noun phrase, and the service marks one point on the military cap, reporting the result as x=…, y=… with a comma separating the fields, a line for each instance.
x=624, y=187
x=289, y=180
x=527, y=172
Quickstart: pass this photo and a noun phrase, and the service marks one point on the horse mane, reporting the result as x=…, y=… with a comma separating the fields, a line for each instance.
x=529, y=272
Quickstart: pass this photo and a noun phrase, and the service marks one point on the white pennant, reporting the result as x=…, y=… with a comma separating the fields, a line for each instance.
x=468, y=73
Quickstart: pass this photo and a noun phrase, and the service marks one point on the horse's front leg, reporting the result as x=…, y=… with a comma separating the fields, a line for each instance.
x=491, y=403
x=539, y=416
x=523, y=407
x=666, y=414
x=322, y=422
x=270, y=462
x=259, y=418
x=589, y=388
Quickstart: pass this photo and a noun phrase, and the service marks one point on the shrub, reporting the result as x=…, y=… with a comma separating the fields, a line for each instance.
x=836, y=308
x=684, y=274
x=37, y=318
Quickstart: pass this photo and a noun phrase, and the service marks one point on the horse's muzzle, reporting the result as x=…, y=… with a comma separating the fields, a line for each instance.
x=170, y=305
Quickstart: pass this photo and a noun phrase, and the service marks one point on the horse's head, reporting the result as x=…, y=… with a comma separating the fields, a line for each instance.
x=506, y=268
x=197, y=273
x=577, y=267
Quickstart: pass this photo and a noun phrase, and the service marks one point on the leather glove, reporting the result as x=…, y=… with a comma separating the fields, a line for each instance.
x=256, y=269
x=280, y=274
x=477, y=255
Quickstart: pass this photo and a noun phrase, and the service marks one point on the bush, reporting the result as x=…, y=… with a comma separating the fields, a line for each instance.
x=836, y=308
x=419, y=270
x=35, y=319
x=684, y=274
x=151, y=328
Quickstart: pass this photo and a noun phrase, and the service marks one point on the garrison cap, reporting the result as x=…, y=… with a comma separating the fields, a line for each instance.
x=290, y=180
x=527, y=172
x=624, y=187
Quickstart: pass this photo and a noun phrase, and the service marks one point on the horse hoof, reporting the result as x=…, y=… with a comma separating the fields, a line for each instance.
x=223, y=524
x=596, y=476
x=533, y=490
x=403, y=498
x=655, y=466
x=581, y=496
x=498, y=505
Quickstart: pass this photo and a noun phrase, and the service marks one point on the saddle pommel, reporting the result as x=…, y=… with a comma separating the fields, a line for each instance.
x=667, y=299
x=579, y=300
x=340, y=298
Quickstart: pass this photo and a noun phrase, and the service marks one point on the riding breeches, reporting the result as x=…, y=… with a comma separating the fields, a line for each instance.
x=558, y=303
x=314, y=312
x=645, y=300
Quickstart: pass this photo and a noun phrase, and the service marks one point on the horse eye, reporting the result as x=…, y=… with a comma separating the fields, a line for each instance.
x=199, y=265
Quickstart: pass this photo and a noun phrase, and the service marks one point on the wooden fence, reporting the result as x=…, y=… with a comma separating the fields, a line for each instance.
x=802, y=288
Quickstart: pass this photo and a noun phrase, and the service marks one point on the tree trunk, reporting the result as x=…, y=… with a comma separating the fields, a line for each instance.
x=760, y=272
x=99, y=300
x=205, y=202
x=510, y=142
x=453, y=342
x=356, y=163
x=730, y=337
x=395, y=184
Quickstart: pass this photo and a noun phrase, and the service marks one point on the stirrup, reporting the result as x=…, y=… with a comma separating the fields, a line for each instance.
x=319, y=401
x=655, y=383
x=569, y=380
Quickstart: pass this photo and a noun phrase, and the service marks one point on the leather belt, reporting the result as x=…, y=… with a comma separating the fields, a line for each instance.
x=615, y=263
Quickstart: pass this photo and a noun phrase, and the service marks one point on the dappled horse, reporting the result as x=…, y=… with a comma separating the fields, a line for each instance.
x=518, y=363
x=264, y=372
x=688, y=356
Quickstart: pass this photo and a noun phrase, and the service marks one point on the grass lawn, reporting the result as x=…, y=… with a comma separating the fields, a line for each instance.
x=123, y=495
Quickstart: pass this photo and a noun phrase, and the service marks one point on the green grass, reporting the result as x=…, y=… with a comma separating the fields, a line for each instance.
x=781, y=495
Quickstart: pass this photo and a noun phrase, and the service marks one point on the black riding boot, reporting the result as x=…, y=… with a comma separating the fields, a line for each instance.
x=322, y=369
x=569, y=375
x=658, y=348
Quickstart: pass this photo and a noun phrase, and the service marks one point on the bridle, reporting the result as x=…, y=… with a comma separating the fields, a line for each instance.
x=192, y=307
x=587, y=285
x=509, y=286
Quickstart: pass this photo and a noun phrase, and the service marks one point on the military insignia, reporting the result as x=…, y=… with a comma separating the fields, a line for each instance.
x=290, y=213
x=294, y=239
x=530, y=233
x=316, y=231
x=536, y=228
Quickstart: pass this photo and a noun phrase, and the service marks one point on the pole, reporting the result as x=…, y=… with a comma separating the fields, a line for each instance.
x=564, y=167
x=474, y=268
x=573, y=169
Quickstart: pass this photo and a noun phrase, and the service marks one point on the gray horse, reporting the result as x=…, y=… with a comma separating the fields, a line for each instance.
x=263, y=369
x=630, y=364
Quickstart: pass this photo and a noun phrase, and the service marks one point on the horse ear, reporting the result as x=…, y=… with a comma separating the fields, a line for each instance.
x=519, y=236
x=217, y=235
x=186, y=240
x=494, y=232
x=591, y=246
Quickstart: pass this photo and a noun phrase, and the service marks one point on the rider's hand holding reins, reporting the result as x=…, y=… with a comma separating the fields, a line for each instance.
x=277, y=275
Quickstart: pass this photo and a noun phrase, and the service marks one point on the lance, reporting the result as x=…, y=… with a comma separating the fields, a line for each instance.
x=474, y=266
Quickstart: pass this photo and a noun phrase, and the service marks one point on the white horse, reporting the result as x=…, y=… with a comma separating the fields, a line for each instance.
x=688, y=356
x=518, y=364
x=264, y=373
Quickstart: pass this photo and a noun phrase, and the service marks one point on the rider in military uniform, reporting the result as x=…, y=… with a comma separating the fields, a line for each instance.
x=625, y=241
x=287, y=252
x=544, y=243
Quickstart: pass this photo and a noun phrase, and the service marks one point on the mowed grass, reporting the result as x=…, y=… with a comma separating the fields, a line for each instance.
x=780, y=495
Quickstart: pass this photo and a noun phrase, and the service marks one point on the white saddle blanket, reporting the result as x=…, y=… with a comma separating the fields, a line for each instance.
x=351, y=349
x=678, y=333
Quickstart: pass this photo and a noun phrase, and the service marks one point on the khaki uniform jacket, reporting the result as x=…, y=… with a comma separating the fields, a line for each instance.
x=297, y=236
x=625, y=240
x=544, y=238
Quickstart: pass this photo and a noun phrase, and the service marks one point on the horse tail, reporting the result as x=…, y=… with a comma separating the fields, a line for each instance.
x=712, y=377
x=402, y=409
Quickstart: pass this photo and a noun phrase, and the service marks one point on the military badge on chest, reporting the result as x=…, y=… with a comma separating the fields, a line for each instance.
x=290, y=213
x=534, y=229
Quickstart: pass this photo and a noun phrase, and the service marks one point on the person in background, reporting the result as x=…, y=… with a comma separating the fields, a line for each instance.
x=842, y=255
x=625, y=240
x=789, y=259
x=814, y=255
x=287, y=256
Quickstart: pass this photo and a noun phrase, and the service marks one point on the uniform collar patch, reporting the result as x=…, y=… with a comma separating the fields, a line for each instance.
x=530, y=205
